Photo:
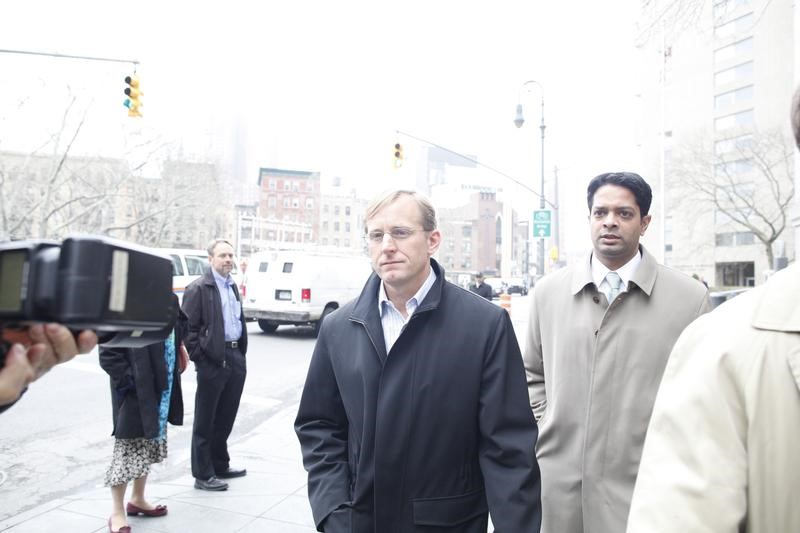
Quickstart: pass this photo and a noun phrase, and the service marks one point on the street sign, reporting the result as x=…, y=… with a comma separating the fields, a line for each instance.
x=541, y=223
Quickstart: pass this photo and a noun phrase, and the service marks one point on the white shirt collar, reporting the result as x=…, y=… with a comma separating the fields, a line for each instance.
x=626, y=271
x=414, y=301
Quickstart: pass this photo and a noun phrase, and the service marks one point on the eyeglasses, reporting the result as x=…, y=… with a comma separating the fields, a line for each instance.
x=397, y=234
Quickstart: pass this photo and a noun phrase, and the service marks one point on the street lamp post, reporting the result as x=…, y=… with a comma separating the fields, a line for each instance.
x=519, y=120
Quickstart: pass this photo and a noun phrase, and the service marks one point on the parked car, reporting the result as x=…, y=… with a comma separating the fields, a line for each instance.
x=718, y=297
x=188, y=264
x=516, y=286
x=301, y=287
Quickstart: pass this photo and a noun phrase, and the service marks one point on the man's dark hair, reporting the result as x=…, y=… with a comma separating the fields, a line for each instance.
x=631, y=181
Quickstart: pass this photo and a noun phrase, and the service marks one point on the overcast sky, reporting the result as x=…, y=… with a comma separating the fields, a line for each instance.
x=324, y=86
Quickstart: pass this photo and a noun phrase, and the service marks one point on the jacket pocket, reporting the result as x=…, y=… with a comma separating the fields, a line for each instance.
x=449, y=511
x=339, y=521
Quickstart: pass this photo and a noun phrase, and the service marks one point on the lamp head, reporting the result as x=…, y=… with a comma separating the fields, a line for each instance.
x=519, y=120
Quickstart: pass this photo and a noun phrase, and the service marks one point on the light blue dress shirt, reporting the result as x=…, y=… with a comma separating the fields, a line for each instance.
x=231, y=310
x=391, y=319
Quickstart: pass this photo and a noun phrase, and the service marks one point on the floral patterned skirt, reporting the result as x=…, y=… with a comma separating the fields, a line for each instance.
x=132, y=459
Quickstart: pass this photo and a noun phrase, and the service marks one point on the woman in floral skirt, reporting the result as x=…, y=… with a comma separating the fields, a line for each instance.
x=145, y=395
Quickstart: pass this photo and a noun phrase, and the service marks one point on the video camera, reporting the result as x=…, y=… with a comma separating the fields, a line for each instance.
x=121, y=291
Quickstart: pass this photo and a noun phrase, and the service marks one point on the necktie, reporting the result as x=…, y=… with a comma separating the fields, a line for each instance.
x=614, y=281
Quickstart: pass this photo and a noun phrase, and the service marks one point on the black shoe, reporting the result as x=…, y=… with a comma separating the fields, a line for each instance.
x=211, y=483
x=232, y=472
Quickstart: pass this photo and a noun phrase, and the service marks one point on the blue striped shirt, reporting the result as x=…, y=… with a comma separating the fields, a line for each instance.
x=231, y=310
x=391, y=319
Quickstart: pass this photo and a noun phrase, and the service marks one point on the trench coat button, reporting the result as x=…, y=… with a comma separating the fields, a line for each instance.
x=596, y=299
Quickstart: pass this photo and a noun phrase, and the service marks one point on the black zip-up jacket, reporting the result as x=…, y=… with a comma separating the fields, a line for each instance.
x=431, y=436
x=205, y=338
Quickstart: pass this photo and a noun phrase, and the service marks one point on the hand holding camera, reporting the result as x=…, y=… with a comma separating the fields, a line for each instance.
x=113, y=293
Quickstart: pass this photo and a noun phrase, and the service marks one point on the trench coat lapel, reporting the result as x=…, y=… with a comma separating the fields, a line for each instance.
x=365, y=313
x=644, y=277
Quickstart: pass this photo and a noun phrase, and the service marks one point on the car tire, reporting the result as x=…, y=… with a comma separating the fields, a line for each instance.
x=318, y=323
x=267, y=326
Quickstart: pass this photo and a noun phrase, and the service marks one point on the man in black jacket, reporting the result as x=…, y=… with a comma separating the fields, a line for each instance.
x=415, y=412
x=481, y=288
x=217, y=343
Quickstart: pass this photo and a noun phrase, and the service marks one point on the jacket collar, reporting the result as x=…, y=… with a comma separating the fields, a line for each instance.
x=366, y=312
x=644, y=277
x=777, y=309
x=365, y=308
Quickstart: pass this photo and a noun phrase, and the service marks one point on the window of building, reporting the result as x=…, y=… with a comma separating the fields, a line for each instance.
x=466, y=231
x=336, y=226
x=466, y=246
x=739, y=73
x=286, y=185
x=724, y=8
x=735, y=238
x=466, y=262
x=325, y=225
x=735, y=168
x=347, y=227
x=273, y=185
x=742, y=119
x=448, y=261
x=738, y=144
x=336, y=210
x=336, y=242
x=450, y=244
x=295, y=186
x=296, y=202
x=287, y=202
x=272, y=201
x=347, y=210
x=743, y=95
x=739, y=49
x=309, y=203
x=736, y=26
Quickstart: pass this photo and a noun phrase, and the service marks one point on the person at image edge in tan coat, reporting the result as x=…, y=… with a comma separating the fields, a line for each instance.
x=593, y=369
x=722, y=452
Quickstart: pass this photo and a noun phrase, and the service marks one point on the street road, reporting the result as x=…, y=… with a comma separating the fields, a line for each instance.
x=57, y=440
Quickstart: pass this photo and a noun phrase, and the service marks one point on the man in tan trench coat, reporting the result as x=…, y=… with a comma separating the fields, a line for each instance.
x=723, y=450
x=593, y=367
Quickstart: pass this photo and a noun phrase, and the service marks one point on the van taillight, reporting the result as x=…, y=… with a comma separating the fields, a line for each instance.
x=305, y=295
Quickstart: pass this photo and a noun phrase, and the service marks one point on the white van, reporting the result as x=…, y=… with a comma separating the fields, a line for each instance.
x=301, y=287
x=188, y=264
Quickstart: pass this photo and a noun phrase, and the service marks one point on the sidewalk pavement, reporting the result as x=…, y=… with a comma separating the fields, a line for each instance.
x=271, y=498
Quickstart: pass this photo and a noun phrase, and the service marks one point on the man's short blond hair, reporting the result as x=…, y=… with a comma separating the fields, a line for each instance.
x=426, y=209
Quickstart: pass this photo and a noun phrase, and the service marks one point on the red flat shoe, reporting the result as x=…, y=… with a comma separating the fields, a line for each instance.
x=123, y=529
x=132, y=510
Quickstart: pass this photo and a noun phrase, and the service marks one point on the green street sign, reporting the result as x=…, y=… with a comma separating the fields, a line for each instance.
x=541, y=223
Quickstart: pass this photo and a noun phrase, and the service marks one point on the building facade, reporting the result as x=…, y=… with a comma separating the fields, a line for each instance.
x=288, y=207
x=715, y=130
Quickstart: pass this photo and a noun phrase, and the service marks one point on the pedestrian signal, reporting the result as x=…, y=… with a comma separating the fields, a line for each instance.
x=134, y=96
x=398, y=155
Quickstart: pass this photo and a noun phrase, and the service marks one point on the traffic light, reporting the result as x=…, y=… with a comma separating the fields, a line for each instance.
x=398, y=155
x=134, y=96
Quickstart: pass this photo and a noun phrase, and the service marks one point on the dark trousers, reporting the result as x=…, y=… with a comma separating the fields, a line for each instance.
x=216, y=402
